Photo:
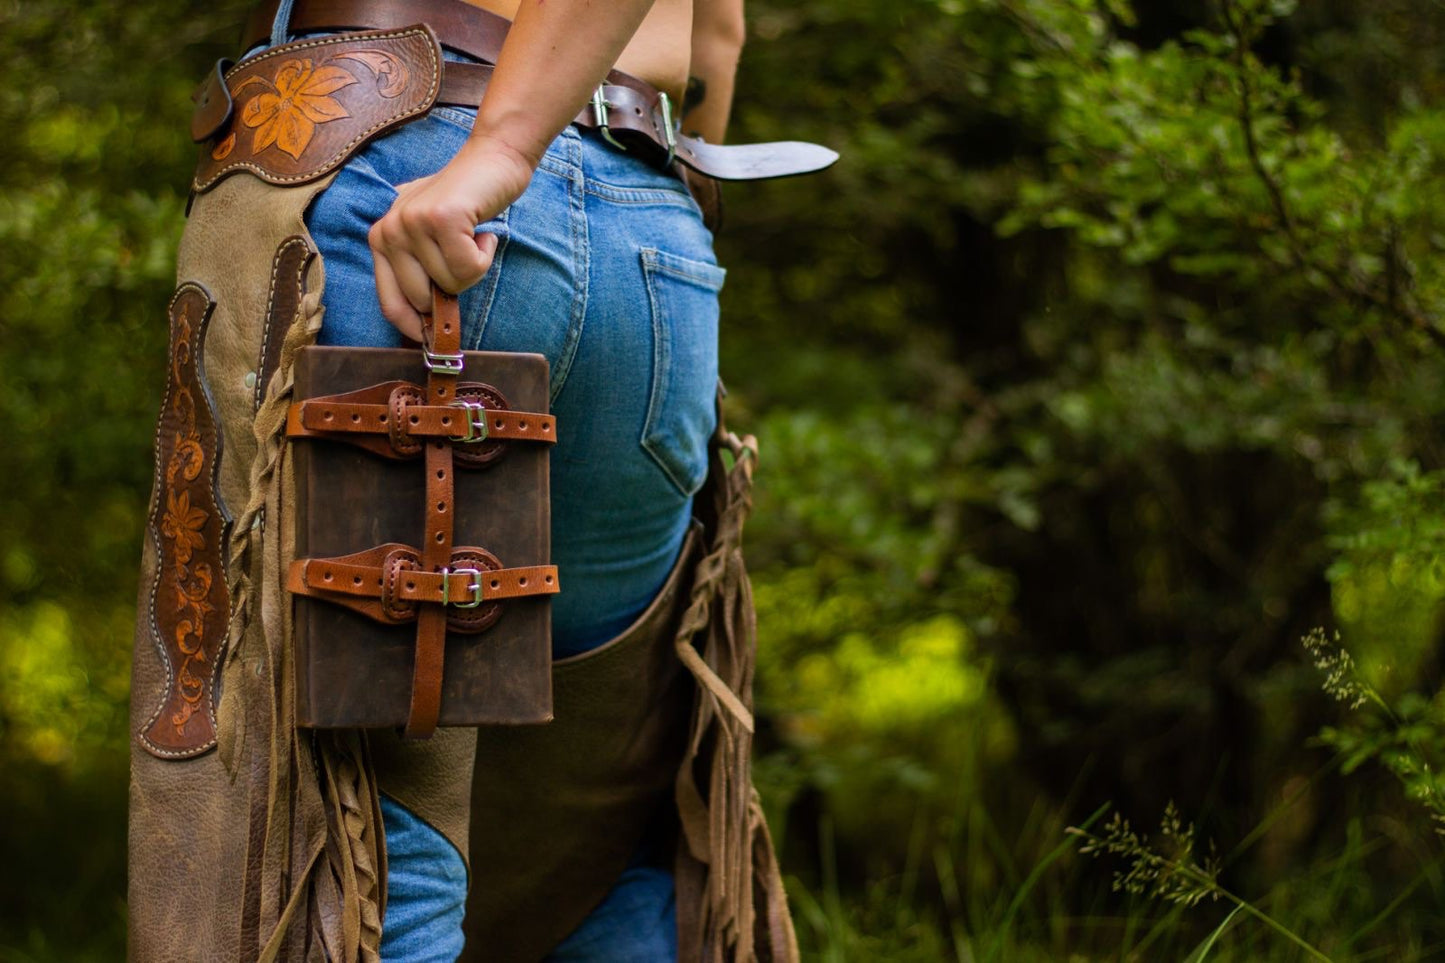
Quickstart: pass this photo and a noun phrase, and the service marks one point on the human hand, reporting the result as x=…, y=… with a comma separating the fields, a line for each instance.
x=428, y=236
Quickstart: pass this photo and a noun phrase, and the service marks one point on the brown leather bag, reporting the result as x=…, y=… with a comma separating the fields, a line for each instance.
x=422, y=577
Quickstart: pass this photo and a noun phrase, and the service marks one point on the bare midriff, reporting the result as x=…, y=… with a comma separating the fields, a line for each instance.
x=658, y=53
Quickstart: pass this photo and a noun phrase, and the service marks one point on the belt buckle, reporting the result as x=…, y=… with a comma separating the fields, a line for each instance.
x=664, y=104
x=600, y=109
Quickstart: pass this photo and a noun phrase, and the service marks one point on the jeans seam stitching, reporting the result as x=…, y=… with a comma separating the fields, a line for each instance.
x=638, y=195
x=702, y=280
x=661, y=358
x=675, y=265
x=453, y=115
x=489, y=295
x=577, y=209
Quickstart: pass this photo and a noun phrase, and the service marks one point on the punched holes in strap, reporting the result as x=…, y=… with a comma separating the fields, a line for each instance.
x=387, y=584
x=460, y=585
x=392, y=419
x=450, y=424
x=441, y=346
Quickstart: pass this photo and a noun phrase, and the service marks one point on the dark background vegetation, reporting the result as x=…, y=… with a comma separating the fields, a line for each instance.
x=1104, y=368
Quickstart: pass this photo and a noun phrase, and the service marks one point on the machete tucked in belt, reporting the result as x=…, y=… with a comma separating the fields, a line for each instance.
x=422, y=482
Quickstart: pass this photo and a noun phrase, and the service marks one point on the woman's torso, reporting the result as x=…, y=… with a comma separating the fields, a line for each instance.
x=659, y=51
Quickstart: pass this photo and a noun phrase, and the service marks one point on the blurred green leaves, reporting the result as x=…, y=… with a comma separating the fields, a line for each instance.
x=62, y=701
x=93, y=168
x=1104, y=343
x=1104, y=365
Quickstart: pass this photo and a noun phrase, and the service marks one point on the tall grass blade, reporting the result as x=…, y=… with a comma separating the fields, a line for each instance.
x=1001, y=934
x=1203, y=949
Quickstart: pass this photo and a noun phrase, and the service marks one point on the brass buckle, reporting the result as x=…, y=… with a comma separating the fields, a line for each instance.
x=600, y=109
x=476, y=422
x=475, y=588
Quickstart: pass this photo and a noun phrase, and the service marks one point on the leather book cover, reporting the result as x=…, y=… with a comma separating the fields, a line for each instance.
x=356, y=672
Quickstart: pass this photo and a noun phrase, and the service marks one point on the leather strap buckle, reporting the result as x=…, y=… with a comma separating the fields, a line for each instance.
x=475, y=588
x=476, y=421
x=450, y=363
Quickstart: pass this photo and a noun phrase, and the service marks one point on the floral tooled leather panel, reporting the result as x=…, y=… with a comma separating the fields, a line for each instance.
x=302, y=108
x=189, y=602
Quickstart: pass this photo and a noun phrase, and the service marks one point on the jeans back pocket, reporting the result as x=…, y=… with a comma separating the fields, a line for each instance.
x=681, y=411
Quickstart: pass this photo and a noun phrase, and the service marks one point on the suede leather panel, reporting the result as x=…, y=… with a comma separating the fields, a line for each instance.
x=219, y=843
x=229, y=247
x=432, y=778
x=561, y=808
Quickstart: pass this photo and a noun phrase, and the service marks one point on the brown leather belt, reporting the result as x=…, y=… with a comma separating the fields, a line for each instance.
x=630, y=113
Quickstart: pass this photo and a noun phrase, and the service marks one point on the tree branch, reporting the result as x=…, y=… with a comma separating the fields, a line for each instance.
x=1393, y=303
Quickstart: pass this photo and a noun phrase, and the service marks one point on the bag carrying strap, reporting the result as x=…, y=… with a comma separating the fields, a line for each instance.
x=442, y=346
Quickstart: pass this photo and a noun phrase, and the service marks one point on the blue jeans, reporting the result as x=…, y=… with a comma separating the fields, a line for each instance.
x=603, y=266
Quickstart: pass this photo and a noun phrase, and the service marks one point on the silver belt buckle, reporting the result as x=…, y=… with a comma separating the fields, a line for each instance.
x=600, y=110
x=664, y=103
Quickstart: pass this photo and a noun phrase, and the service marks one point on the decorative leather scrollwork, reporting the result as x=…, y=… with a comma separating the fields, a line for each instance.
x=297, y=111
x=189, y=601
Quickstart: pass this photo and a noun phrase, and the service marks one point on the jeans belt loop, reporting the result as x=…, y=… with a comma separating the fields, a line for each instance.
x=281, y=24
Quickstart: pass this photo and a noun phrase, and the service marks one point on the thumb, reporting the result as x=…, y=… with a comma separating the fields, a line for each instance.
x=487, y=246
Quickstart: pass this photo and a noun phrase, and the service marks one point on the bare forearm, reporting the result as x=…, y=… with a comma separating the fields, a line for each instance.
x=717, y=42
x=556, y=54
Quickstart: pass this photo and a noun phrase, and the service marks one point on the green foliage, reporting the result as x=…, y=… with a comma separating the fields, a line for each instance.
x=93, y=170
x=1105, y=364
x=1171, y=873
x=1109, y=340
